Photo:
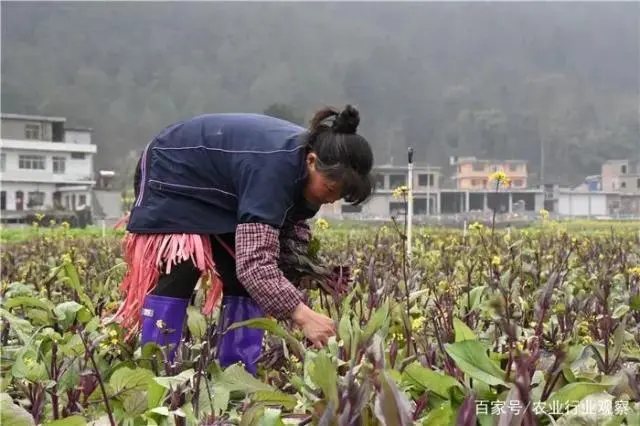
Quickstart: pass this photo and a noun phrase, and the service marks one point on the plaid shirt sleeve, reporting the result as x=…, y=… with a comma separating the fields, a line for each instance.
x=257, y=252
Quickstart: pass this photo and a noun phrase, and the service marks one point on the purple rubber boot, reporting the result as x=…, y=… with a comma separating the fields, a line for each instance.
x=162, y=322
x=244, y=343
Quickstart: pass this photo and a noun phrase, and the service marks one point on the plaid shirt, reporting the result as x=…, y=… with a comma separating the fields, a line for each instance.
x=257, y=252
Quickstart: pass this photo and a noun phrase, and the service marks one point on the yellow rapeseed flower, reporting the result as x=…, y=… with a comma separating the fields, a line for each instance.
x=417, y=323
x=635, y=271
x=583, y=327
x=322, y=223
x=495, y=261
x=401, y=192
x=398, y=336
x=475, y=226
x=544, y=214
x=500, y=178
x=585, y=340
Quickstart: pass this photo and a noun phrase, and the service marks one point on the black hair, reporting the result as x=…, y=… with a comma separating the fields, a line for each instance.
x=342, y=154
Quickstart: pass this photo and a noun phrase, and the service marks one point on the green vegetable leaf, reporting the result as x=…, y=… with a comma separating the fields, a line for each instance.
x=196, y=322
x=463, y=332
x=430, y=380
x=126, y=379
x=69, y=421
x=470, y=356
x=323, y=373
x=12, y=414
x=576, y=391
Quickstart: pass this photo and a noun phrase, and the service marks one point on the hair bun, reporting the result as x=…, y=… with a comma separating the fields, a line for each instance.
x=347, y=120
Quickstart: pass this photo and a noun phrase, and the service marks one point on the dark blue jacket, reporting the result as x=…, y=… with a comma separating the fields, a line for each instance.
x=208, y=174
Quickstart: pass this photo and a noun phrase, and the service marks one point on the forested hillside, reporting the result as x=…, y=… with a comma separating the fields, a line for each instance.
x=491, y=80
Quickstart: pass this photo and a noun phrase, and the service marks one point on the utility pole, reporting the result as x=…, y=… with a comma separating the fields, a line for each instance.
x=541, y=136
x=429, y=176
x=410, y=200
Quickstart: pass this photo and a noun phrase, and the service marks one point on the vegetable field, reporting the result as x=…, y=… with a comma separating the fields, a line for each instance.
x=537, y=326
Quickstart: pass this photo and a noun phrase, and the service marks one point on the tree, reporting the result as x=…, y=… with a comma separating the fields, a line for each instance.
x=507, y=80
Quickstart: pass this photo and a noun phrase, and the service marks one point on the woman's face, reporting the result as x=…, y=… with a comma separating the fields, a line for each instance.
x=319, y=189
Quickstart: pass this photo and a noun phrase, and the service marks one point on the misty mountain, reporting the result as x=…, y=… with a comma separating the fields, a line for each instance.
x=497, y=80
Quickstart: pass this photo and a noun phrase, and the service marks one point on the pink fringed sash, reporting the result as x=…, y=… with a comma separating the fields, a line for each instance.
x=146, y=255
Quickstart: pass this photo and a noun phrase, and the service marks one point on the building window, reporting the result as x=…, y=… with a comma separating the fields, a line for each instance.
x=420, y=206
x=425, y=179
x=397, y=180
x=379, y=180
x=478, y=167
x=19, y=200
x=396, y=208
x=623, y=169
x=517, y=183
x=623, y=185
x=513, y=167
x=3, y=200
x=35, y=199
x=57, y=200
x=484, y=183
x=348, y=208
x=32, y=162
x=32, y=131
x=83, y=200
x=3, y=162
x=77, y=155
x=475, y=182
x=638, y=183
x=59, y=164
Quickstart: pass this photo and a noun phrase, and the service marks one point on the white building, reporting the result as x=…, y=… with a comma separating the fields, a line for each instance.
x=426, y=189
x=44, y=164
x=582, y=204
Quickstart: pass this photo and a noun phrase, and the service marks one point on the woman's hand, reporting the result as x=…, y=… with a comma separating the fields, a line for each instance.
x=316, y=327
